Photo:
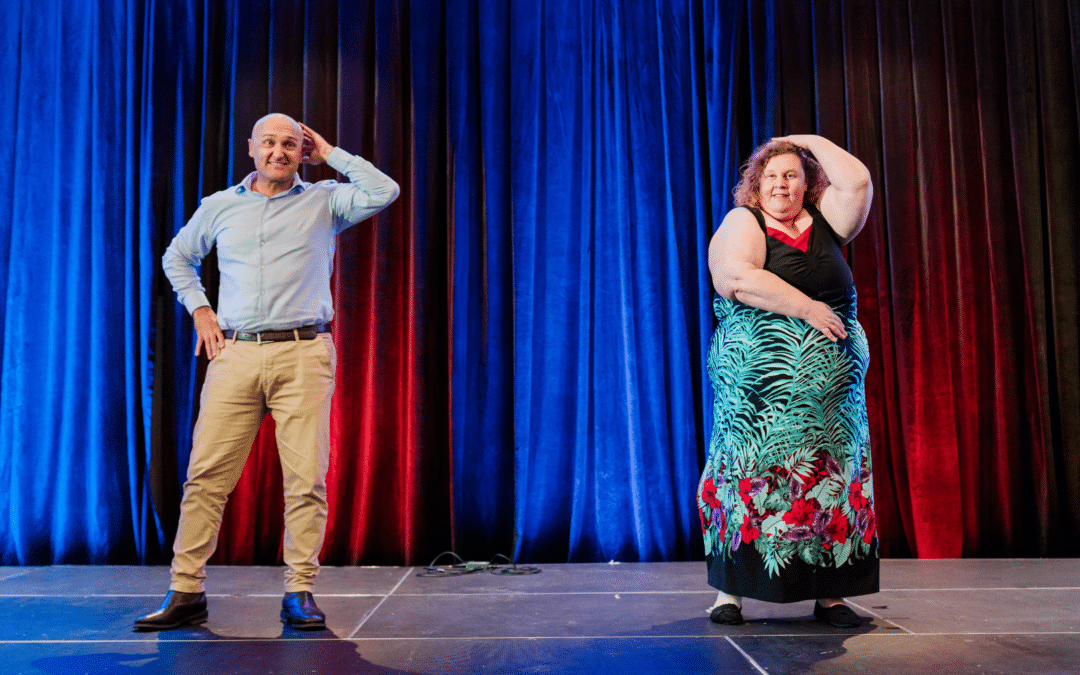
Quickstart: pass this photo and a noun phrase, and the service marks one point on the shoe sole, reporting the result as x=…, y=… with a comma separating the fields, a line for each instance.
x=839, y=619
x=734, y=620
x=194, y=619
x=302, y=625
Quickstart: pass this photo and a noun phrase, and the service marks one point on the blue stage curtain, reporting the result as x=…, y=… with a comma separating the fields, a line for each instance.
x=78, y=261
x=585, y=184
x=481, y=298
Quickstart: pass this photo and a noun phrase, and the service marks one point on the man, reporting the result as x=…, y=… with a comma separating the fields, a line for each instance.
x=270, y=350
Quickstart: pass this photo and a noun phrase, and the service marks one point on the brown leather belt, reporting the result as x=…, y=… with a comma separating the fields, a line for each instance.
x=301, y=333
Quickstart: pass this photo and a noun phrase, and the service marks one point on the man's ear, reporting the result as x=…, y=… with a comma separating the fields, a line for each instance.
x=251, y=149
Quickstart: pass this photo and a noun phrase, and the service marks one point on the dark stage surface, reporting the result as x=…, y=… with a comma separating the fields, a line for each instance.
x=933, y=616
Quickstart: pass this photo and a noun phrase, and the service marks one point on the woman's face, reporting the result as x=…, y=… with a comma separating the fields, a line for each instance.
x=783, y=185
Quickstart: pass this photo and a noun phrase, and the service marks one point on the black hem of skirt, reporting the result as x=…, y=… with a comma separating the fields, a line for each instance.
x=743, y=574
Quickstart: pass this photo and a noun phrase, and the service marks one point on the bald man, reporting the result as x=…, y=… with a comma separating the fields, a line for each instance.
x=270, y=351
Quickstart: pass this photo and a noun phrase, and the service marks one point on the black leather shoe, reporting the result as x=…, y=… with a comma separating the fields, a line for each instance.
x=729, y=615
x=177, y=609
x=298, y=609
x=840, y=615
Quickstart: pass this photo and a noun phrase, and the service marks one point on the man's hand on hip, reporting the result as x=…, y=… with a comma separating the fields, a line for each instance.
x=206, y=325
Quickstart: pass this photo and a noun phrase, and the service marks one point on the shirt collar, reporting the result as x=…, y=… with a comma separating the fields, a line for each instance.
x=245, y=185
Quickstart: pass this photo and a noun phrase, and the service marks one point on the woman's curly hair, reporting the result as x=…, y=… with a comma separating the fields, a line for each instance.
x=748, y=191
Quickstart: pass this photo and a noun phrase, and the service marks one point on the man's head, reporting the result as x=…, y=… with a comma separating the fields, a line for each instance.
x=276, y=145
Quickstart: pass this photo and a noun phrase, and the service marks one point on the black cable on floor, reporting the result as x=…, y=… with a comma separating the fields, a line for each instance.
x=462, y=567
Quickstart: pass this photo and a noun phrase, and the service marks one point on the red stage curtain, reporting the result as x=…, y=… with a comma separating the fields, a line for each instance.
x=359, y=76
x=966, y=114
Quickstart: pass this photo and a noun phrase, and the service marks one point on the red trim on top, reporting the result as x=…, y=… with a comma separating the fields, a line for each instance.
x=801, y=243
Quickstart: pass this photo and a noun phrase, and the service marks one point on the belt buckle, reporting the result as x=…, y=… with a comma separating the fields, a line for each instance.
x=258, y=338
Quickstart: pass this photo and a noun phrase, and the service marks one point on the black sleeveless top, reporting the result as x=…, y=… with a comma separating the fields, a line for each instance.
x=820, y=271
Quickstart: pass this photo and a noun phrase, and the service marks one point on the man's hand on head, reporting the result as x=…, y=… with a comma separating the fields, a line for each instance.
x=315, y=149
x=206, y=326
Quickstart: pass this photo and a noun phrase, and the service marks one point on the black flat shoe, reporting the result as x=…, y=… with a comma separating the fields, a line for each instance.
x=299, y=610
x=840, y=615
x=729, y=615
x=177, y=609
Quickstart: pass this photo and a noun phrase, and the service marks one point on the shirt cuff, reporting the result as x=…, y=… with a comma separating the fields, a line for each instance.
x=195, y=300
x=341, y=160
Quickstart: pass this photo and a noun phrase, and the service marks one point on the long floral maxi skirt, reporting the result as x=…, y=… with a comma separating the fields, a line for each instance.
x=786, y=499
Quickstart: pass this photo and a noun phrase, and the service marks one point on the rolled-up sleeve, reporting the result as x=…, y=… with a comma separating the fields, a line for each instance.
x=367, y=192
x=184, y=256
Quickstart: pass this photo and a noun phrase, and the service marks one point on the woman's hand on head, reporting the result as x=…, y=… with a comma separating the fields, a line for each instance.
x=800, y=140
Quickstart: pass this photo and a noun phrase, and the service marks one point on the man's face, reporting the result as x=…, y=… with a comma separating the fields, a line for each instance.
x=275, y=148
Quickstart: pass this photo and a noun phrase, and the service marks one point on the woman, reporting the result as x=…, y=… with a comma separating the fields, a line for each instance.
x=786, y=498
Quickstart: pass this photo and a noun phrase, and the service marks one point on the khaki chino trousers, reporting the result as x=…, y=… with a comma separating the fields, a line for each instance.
x=294, y=382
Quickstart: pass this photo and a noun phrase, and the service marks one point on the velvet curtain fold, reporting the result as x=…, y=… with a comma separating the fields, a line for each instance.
x=966, y=114
x=75, y=280
x=607, y=273
x=967, y=269
x=481, y=285
x=523, y=332
x=369, y=76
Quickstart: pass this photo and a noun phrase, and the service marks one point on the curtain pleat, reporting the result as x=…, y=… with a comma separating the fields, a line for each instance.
x=71, y=410
x=478, y=36
x=596, y=189
x=344, y=73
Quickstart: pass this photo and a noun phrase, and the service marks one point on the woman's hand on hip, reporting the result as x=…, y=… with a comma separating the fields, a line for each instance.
x=820, y=316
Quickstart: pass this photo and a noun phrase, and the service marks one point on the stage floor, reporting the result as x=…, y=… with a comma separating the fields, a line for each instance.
x=932, y=616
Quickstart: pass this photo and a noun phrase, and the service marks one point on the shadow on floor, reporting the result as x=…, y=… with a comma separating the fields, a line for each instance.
x=198, y=650
x=800, y=640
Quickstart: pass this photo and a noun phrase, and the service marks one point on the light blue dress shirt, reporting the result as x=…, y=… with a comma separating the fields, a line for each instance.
x=275, y=254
